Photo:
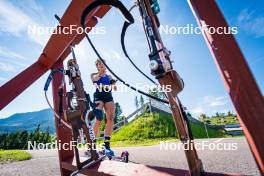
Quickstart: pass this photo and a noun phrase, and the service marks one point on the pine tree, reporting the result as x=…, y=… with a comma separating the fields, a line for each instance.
x=118, y=112
x=37, y=135
x=136, y=102
x=141, y=100
x=23, y=139
x=202, y=117
x=47, y=137
x=3, y=139
x=154, y=92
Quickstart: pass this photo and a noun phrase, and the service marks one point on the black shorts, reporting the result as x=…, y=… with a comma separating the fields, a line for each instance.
x=103, y=96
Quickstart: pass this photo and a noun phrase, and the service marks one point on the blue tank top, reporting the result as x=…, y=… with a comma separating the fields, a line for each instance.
x=103, y=80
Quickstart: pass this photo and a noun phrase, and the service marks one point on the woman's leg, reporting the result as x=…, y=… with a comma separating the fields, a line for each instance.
x=110, y=114
x=97, y=123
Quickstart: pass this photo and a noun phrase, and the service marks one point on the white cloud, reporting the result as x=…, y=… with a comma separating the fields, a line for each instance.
x=212, y=101
x=6, y=67
x=11, y=57
x=2, y=78
x=251, y=23
x=111, y=54
x=16, y=22
x=210, y=105
x=197, y=110
x=10, y=54
x=9, y=18
x=33, y=4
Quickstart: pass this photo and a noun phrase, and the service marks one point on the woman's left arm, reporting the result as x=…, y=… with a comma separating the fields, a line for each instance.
x=112, y=82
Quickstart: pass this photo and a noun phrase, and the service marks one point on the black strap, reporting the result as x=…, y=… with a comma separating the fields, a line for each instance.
x=60, y=93
x=123, y=33
x=114, y=3
x=72, y=51
x=119, y=79
x=130, y=19
x=50, y=77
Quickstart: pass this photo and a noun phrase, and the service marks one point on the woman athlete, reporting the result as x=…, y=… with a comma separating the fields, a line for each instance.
x=103, y=98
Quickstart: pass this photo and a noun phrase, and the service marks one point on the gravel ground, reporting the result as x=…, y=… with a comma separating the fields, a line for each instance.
x=238, y=161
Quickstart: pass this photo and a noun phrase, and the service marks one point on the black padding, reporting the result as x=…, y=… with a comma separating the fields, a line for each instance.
x=98, y=113
x=91, y=116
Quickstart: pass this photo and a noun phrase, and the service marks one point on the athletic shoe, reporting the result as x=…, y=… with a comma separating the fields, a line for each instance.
x=109, y=152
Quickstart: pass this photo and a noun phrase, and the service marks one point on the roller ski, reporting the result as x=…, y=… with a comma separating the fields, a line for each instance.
x=124, y=157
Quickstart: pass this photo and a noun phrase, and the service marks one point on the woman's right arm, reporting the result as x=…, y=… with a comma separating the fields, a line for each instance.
x=94, y=77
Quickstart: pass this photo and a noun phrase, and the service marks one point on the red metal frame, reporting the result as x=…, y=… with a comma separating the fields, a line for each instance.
x=56, y=48
x=240, y=83
x=64, y=134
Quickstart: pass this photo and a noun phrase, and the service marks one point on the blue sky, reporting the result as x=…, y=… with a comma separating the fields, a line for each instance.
x=204, y=90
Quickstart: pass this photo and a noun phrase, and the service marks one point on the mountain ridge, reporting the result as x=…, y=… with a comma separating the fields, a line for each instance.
x=28, y=121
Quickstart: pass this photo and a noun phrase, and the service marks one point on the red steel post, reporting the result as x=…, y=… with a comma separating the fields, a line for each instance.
x=18, y=84
x=239, y=81
x=64, y=134
x=56, y=48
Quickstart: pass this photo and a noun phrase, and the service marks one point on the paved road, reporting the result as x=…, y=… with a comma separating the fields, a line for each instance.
x=238, y=161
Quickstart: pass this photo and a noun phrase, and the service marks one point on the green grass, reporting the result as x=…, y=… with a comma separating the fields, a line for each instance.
x=136, y=143
x=147, y=126
x=150, y=129
x=7, y=156
x=199, y=131
x=224, y=120
x=144, y=142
